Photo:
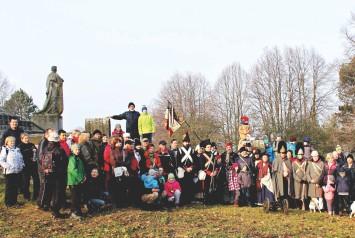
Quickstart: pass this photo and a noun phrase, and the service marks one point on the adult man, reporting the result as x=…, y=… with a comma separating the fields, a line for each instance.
x=14, y=130
x=131, y=116
x=227, y=159
x=146, y=125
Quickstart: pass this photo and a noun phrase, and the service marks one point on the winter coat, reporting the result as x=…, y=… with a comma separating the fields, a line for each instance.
x=329, y=169
x=155, y=161
x=343, y=184
x=149, y=181
x=278, y=178
x=329, y=191
x=15, y=133
x=11, y=160
x=171, y=187
x=131, y=118
x=27, y=154
x=59, y=159
x=146, y=123
x=315, y=172
x=87, y=154
x=76, y=171
x=107, y=158
x=93, y=188
x=299, y=178
x=244, y=179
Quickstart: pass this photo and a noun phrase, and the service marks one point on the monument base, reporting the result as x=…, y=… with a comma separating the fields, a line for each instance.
x=48, y=121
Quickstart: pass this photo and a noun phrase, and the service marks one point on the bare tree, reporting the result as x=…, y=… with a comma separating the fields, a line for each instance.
x=231, y=93
x=349, y=33
x=290, y=90
x=193, y=101
x=5, y=89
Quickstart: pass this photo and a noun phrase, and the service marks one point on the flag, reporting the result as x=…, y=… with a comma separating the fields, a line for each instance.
x=172, y=122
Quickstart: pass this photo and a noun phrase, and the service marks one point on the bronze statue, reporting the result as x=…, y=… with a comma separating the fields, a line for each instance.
x=54, y=101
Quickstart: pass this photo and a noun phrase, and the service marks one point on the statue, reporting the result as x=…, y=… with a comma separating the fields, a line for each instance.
x=244, y=130
x=54, y=101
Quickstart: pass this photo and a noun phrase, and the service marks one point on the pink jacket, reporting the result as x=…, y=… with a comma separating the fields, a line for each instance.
x=171, y=187
x=329, y=191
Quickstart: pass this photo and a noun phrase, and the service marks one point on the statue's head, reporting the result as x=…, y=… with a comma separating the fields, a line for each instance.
x=54, y=69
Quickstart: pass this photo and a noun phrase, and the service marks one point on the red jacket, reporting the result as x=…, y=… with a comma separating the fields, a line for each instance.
x=171, y=187
x=148, y=163
x=107, y=158
x=63, y=144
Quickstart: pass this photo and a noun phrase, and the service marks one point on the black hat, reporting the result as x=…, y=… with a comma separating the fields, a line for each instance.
x=144, y=107
x=186, y=137
x=128, y=142
x=299, y=148
x=205, y=143
x=137, y=142
x=213, y=144
x=242, y=149
x=282, y=147
x=162, y=142
x=130, y=104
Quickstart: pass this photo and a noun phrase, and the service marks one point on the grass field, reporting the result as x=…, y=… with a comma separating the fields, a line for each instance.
x=191, y=221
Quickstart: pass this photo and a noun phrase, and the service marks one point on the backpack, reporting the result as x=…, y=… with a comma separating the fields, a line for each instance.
x=46, y=161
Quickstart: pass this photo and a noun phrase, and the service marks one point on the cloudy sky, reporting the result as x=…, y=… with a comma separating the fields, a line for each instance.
x=113, y=52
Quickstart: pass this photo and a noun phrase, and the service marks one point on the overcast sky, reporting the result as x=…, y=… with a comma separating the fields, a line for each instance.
x=113, y=52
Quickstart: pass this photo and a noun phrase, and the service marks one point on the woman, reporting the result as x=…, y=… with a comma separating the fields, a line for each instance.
x=76, y=178
x=28, y=151
x=349, y=167
x=119, y=181
x=263, y=180
x=330, y=167
x=12, y=162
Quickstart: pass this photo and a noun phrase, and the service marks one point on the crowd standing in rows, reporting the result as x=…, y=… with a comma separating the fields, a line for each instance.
x=126, y=169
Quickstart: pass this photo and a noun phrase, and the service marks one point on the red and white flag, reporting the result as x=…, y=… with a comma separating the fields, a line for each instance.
x=172, y=122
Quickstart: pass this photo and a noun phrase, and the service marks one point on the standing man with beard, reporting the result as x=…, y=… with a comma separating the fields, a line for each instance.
x=185, y=170
x=227, y=159
x=131, y=116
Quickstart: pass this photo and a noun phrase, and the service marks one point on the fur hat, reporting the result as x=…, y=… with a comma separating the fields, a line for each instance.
x=186, y=137
x=282, y=147
x=205, y=143
x=137, y=142
x=299, y=148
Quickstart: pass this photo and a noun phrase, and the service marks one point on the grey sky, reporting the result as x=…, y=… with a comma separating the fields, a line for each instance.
x=113, y=52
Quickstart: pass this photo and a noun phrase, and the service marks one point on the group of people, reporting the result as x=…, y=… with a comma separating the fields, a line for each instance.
x=125, y=170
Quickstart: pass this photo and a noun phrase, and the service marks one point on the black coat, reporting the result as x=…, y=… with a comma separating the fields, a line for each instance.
x=15, y=133
x=27, y=153
x=131, y=118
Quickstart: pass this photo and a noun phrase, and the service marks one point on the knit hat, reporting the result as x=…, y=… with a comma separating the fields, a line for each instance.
x=171, y=176
x=131, y=104
x=144, y=108
x=152, y=172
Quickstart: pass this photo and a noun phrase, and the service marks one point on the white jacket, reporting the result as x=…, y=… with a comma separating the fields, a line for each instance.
x=11, y=160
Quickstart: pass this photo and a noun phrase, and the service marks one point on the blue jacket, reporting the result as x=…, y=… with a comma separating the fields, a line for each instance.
x=150, y=182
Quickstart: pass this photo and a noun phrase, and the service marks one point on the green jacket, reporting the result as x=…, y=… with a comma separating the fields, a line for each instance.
x=146, y=124
x=76, y=172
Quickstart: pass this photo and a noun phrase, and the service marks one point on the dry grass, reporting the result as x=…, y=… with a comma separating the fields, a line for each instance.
x=191, y=221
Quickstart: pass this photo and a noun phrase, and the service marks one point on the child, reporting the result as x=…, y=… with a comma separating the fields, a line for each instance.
x=263, y=181
x=329, y=191
x=12, y=162
x=245, y=183
x=94, y=192
x=233, y=183
x=151, y=187
x=343, y=187
x=76, y=178
x=172, y=190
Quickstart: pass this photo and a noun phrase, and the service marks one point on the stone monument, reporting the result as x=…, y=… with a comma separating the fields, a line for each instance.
x=50, y=115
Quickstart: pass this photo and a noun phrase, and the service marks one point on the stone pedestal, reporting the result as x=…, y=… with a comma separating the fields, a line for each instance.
x=48, y=121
